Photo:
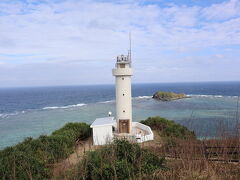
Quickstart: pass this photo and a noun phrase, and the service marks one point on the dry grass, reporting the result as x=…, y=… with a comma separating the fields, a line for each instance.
x=195, y=159
x=199, y=169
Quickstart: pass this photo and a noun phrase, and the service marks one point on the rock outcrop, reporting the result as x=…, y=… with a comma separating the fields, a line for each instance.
x=168, y=96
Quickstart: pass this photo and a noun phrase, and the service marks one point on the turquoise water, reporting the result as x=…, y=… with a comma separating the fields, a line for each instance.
x=203, y=114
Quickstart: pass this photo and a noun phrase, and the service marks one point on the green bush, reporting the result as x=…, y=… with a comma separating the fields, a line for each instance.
x=168, y=128
x=120, y=160
x=32, y=158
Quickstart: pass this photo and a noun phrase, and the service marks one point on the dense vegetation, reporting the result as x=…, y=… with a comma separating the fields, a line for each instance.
x=33, y=158
x=168, y=128
x=188, y=158
x=119, y=160
x=168, y=96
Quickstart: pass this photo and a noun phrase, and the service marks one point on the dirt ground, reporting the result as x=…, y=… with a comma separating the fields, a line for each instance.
x=81, y=147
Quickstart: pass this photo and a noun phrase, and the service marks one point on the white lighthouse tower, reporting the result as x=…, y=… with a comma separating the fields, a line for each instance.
x=108, y=128
x=123, y=73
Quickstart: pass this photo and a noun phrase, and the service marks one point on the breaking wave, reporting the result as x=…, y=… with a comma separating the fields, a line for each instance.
x=107, y=101
x=143, y=97
x=138, y=97
x=64, y=107
x=214, y=96
x=5, y=115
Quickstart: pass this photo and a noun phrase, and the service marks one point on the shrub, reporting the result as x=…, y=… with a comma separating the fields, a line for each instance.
x=32, y=158
x=168, y=128
x=120, y=160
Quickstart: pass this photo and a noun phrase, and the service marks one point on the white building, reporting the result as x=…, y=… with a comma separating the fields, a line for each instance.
x=103, y=130
x=108, y=128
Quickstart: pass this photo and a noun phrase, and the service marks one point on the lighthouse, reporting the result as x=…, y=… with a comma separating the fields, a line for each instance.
x=123, y=73
x=106, y=129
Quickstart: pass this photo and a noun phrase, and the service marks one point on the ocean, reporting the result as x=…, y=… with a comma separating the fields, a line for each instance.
x=35, y=111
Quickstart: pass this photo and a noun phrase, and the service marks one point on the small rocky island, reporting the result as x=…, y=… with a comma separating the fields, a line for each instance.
x=168, y=96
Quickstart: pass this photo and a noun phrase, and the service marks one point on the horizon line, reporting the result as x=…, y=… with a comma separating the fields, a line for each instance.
x=76, y=85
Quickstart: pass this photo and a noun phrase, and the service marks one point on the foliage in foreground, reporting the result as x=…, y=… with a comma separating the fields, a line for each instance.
x=168, y=128
x=120, y=160
x=32, y=158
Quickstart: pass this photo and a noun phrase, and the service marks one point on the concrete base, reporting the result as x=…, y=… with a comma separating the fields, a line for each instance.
x=140, y=133
x=105, y=131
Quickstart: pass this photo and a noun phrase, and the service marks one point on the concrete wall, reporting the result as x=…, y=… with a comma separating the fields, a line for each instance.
x=149, y=136
x=102, y=135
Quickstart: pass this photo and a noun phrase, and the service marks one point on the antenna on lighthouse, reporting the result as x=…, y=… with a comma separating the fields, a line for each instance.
x=130, y=48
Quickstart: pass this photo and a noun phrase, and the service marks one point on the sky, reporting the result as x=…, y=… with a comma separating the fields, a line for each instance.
x=75, y=42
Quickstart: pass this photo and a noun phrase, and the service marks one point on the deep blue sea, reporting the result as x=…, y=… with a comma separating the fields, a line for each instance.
x=35, y=111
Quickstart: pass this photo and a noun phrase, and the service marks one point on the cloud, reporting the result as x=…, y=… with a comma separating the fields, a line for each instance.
x=91, y=33
x=222, y=11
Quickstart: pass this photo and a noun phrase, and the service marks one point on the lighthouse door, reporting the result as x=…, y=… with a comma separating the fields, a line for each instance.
x=124, y=126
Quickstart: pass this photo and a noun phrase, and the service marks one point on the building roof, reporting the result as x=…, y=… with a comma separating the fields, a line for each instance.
x=106, y=121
